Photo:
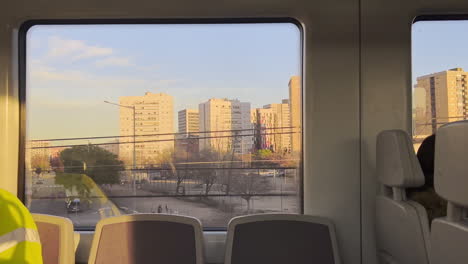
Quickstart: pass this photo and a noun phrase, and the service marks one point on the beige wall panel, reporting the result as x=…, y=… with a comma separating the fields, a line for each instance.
x=331, y=123
x=9, y=110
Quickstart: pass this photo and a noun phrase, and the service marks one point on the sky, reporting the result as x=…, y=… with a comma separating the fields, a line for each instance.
x=73, y=69
x=438, y=46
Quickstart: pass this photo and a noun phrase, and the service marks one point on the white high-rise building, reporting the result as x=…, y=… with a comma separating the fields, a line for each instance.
x=188, y=121
x=241, y=121
x=228, y=126
x=154, y=127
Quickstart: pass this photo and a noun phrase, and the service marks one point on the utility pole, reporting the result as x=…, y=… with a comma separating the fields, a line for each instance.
x=134, y=141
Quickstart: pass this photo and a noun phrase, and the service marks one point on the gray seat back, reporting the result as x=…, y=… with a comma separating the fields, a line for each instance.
x=402, y=226
x=281, y=238
x=147, y=238
x=449, y=235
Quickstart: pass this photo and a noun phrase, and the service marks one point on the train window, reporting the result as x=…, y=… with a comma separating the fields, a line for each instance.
x=193, y=119
x=440, y=75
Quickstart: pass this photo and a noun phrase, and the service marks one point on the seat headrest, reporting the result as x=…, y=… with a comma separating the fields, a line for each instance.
x=451, y=162
x=397, y=165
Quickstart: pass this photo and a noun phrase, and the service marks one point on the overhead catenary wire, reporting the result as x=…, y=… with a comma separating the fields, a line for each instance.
x=158, y=166
x=420, y=127
x=159, y=140
x=162, y=134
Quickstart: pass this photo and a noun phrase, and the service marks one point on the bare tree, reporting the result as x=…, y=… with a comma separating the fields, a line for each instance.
x=184, y=156
x=208, y=176
x=249, y=185
x=232, y=155
x=166, y=160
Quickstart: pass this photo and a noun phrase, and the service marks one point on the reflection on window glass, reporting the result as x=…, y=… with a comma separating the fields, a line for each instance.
x=440, y=91
x=201, y=120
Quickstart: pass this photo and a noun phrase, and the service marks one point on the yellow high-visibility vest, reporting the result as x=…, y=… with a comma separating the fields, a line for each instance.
x=19, y=238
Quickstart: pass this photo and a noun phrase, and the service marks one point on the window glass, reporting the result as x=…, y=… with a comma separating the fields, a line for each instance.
x=440, y=76
x=190, y=119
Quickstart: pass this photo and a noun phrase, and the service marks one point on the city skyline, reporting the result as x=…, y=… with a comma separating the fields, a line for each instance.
x=126, y=108
x=73, y=69
x=147, y=126
x=439, y=98
x=219, y=124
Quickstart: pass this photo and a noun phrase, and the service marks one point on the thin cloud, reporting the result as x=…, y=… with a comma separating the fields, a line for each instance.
x=149, y=68
x=74, y=49
x=114, y=61
x=57, y=80
x=50, y=74
x=63, y=103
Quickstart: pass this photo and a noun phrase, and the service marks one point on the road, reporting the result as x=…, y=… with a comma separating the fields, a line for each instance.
x=214, y=211
x=48, y=198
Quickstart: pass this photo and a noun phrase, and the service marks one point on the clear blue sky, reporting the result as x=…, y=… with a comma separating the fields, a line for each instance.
x=439, y=46
x=72, y=69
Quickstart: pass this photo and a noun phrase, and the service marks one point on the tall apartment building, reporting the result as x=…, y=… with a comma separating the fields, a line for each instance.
x=188, y=121
x=446, y=97
x=295, y=106
x=273, y=120
x=228, y=125
x=186, y=143
x=153, y=114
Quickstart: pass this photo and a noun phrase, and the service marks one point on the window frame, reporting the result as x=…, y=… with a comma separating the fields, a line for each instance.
x=22, y=45
x=439, y=17
x=433, y=18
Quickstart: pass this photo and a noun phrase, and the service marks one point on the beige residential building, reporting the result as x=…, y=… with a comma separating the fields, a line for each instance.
x=227, y=126
x=153, y=115
x=37, y=155
x=188, y=121
x=445, y=96
x=295, y=106
x=273, y=120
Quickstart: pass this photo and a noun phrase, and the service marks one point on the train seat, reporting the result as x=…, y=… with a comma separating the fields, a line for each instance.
x=402, y=226
x=449, y=235
x=281, y=238
x=147, y=238
x=58, y=239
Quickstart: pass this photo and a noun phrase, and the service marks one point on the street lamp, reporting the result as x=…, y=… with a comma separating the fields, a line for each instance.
x=134, y=139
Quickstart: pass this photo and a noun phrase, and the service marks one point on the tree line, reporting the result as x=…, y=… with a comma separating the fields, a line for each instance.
x=208, y=166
